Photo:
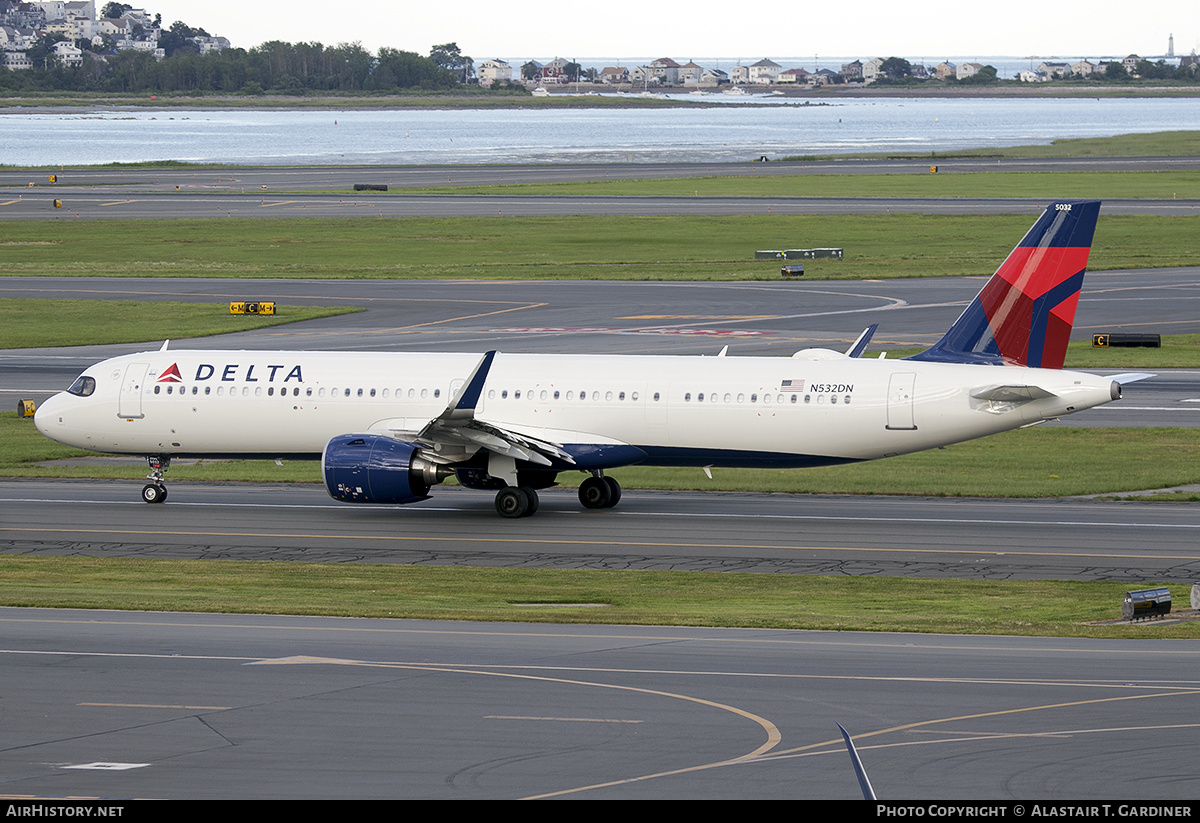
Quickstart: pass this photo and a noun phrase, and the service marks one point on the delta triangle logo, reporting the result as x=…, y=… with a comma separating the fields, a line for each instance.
x=170, y=375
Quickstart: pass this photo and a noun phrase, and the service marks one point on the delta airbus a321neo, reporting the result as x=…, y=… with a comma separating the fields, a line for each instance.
x=388, y=427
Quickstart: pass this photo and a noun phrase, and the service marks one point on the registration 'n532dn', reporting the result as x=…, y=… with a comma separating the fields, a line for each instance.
x=388, y=427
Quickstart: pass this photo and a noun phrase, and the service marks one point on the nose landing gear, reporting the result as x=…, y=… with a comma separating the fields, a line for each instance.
x=156, y=490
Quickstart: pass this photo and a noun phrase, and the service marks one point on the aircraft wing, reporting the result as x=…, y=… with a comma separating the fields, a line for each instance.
x=458, y=430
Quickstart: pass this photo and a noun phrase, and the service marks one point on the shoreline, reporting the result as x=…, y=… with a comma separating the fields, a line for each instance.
x=578, y=97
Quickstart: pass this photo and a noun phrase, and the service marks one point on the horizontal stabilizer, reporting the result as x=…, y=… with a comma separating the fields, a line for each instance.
x=1126, y=378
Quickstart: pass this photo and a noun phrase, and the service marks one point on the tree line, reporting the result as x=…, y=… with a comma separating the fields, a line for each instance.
x=273, y=67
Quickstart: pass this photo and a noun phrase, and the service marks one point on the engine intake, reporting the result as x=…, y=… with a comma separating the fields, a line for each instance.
x=375, y=468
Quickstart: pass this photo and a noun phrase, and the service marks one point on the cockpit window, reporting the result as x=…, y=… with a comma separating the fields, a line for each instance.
x=83, y=386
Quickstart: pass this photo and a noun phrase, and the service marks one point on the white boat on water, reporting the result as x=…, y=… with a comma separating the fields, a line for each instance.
x=541, y=91
x=734, y=90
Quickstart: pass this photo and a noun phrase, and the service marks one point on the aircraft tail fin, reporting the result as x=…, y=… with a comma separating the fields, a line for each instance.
x=1023, y=315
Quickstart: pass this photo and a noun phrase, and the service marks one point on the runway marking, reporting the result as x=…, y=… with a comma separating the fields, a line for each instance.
x=559, y=719
x=1000, y=713
x=11, y=203
x=155, y=706
x=280, y=203
x=1151, y=408
x=118, y=203
x=108, y=766
x=528, y=541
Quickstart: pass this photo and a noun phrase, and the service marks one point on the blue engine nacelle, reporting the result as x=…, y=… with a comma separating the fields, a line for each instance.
x=375, y=468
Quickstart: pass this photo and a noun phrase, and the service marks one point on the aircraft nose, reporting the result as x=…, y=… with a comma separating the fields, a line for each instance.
x=46, y=414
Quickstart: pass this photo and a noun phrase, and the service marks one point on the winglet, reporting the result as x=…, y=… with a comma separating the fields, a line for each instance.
x=864, y=782
x=860, y=345
x=468, y=396
x=1023, y=316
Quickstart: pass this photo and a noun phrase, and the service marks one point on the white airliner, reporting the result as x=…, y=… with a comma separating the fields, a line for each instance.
x=387, y=427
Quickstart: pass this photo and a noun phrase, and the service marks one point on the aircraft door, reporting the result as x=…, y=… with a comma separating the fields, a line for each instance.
x=900, y=402
x=129, y=405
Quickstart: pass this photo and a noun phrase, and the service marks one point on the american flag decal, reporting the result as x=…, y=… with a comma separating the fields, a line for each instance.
x=792, y=385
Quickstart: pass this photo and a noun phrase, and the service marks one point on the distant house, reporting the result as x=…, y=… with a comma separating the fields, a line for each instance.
x=494, y=71
x=968, y=70
x=797, y=77
x=210, y=44
x=713, y=77
x=1055, y=70
x=824, y=77
x=555, y=71
x=1083, y=68
x=872, y=69
x=689, y=74
x=666, y=70
x=944, y=71
x=68, y=54
x=643, y=76
x=17, y=61
x=1033, y=76
x=852, y=72
x=614, y=75
x=1130, y=63
x=764, y=71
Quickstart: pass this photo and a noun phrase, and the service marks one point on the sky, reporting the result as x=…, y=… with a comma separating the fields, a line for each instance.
x=707, y=30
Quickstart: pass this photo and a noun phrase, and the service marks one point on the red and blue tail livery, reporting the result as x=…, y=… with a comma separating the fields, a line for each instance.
x=1023, y=316
x=388, y=426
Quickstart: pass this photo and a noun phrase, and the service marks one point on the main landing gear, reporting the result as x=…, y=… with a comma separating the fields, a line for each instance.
x=156, y=490
x=599, y=492
x=516, y=501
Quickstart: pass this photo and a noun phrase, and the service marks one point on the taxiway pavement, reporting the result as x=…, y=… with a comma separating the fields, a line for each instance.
x=196, y=706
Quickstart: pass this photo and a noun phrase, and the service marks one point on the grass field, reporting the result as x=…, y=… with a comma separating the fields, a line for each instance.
x=1063, y=609
x=610, y=248
x=1183, y=185
x=42, y=323
x=1154, y=144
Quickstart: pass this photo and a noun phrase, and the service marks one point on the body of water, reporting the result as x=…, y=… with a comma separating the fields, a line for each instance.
x=720, y=133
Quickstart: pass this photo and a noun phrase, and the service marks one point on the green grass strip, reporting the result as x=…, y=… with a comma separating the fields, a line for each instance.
x=40, y=323
x=1154, y=144
x=610, y=248
x=1184, y=185
x=1035, y=608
